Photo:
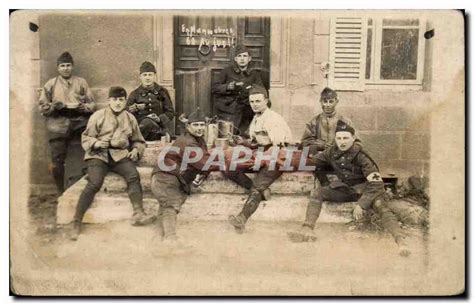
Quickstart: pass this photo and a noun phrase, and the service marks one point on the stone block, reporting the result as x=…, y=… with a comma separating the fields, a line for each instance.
x=363, y=117
x=391, y=118
x=382, y=146
x=405, y=168
x=415, y=146
x=351, y=98
x=321, y=26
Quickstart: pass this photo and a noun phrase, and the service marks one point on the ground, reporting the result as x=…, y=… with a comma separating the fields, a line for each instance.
x=117, y=258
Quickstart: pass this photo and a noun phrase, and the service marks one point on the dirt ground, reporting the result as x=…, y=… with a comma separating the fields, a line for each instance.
x=210, y=258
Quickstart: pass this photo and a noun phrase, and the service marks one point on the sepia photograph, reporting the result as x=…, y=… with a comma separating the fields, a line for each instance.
x=237, y=153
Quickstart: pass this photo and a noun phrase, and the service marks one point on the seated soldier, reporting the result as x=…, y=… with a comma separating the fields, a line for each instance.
x=267, y=129
x=113, y=142
x=320, y=130
x=151, y=105
x=172, y=187
x=358, y=179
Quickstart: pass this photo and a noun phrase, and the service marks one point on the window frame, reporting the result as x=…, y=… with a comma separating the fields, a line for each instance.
x=376, y=53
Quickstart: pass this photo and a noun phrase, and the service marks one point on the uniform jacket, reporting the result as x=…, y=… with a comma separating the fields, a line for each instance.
x=353, y=168
x=70, y=92
x=322, y=127
x=269, y=128
x=121, y=130
x=156, y=100
x=232, y=101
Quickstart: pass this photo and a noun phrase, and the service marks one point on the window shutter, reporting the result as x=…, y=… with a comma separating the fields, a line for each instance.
x=347, y=53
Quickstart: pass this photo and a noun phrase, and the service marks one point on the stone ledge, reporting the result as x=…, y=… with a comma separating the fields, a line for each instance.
x=107, y=207
x=289, y=183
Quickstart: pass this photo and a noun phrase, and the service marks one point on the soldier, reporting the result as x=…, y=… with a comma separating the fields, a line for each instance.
x=151, y=105
x=172, y=187
x=113, y=142
x=231, y=88
x=67, y=102
x=320, y=130
x=267, y=129
x=358, y=179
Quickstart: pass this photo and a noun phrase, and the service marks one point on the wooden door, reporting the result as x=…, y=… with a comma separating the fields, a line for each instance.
x=200, y=55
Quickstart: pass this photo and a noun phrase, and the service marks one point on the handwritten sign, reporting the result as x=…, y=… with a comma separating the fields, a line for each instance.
x=217, y=38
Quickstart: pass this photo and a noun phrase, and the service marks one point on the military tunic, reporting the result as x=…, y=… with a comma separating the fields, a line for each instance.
x=155, y=118
x=65, y=126
x=233, y=105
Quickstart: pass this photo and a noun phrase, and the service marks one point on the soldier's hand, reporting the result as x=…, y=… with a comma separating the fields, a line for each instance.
x=102, y=144
x=231, y=86
x=154, y=117
x=141, y=106
x=133, y=155
x=81, y=107
x=133, y=108
x=58, y=105
x=358, y=212
x=239, y=84
x=238, y=140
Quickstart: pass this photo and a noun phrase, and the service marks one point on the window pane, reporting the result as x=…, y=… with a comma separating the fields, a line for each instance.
x=399, y=54
x=369, y=54
x=396, y=22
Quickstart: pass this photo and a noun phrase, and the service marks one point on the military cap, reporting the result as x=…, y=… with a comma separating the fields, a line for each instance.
x=258, y=89
x=342, y=126
x=241, y=49
x=117, y=92
x=65, y=58
x=197, y=116
x=147, y=67
x=328, y=93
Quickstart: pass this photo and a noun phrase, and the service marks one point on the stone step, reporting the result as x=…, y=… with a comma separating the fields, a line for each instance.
x=288, y=183
x=117, y=207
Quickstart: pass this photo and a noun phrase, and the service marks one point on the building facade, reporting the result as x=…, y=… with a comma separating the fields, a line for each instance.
x=380, y=64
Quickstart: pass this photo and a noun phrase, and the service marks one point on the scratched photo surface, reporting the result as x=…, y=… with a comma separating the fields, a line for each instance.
x=362, y=110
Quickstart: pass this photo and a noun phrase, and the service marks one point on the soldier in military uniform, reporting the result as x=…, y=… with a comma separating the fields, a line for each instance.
x=151, y=105
x=113, y=142
x=67, y=102
x=231, y=87
x=172, y=187
x=267, y=129
x=357, y=179
x=320, y=131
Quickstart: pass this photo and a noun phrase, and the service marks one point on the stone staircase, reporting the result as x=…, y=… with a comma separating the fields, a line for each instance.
x=215, y=199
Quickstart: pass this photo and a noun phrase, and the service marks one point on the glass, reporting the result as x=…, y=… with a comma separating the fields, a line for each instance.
x=399, y=54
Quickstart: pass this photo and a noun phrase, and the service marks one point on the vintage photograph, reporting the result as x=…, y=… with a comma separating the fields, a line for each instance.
x=237, y=153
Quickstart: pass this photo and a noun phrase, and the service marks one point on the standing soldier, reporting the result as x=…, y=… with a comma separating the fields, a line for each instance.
x=358, y=179
x=267, y=129
x=67, y=102
x=231, y=90
x=113, y=142
x=151, y=105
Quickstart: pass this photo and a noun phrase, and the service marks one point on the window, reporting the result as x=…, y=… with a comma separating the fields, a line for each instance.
x=376, y=52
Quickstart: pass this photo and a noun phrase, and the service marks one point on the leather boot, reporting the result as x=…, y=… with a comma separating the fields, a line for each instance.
x=303, y=234
x=250, y=206
x=169, y=217
x=139, y=218
x=75, y=230
x=58, y=175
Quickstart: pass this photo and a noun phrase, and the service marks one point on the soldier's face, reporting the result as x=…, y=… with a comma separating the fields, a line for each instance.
x=117, y=104
x=344, y=140
x=329, y=105
x=258, y=102
x=147, y=78
x=65, y=70
x=196, y=128
x=243, y=59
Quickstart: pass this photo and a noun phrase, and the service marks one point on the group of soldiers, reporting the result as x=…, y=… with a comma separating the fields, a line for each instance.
x=114, y=138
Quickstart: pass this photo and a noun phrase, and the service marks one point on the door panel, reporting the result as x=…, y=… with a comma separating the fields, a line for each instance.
x=196, y=69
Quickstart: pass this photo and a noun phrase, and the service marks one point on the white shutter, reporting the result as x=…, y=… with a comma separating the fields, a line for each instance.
x=347, y=53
